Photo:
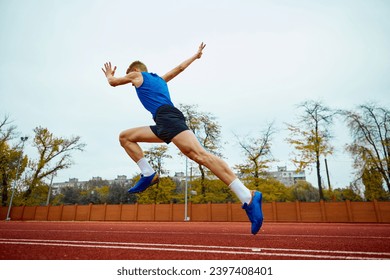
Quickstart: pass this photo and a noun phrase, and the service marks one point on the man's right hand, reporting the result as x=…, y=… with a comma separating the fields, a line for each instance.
x=108, y=71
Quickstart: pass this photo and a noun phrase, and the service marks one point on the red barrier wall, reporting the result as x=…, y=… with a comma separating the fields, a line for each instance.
x=367, y=212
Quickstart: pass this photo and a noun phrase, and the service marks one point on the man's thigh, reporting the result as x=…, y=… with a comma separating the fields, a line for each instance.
x=140, y=134
x=187, y=143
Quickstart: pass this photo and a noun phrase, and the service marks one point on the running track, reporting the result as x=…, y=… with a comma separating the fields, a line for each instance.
x=192, y=241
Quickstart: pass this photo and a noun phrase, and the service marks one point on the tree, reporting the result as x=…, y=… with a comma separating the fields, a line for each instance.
x=369, y=125
x=208, y=132
x=343, y=194
x=373, y=183
x=215, y=191
x=272, y=189
x=258, y=153
x=311, y=137
x=156, y=156
x=102, y=194
x=10, y=159
x=304, y=191
x=7, y=131
x=163, y=192
x=54, y=154
x=118, y=194
x=70, y=195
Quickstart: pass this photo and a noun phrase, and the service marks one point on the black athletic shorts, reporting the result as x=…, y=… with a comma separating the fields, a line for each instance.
x=170, y=121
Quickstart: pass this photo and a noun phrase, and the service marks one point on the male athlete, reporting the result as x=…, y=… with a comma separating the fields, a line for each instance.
x=170, y=126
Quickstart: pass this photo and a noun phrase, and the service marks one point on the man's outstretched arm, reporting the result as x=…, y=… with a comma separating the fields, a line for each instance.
x=182, y=66
x=132, y=77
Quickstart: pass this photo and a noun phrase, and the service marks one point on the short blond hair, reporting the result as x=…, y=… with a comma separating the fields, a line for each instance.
x=137, y=64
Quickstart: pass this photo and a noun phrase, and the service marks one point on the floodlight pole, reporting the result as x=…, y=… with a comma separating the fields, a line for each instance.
x=327, y=174
x=186, y=218
x=24, y=139
x=50, y=187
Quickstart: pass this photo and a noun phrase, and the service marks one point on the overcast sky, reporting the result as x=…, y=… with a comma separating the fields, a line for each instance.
x=262, y=59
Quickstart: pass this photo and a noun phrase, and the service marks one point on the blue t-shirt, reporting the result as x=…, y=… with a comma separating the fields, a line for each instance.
x=153, y=92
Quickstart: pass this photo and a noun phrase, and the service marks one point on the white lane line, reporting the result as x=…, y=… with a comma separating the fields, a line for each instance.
x=208, y=249
x=191, y=250
x=261, y=234
x=200, y=246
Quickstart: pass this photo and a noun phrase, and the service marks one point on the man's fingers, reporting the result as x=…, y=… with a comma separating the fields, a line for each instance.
x=108, y=68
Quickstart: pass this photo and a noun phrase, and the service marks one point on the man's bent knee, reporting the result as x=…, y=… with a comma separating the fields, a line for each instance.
x=124, y=138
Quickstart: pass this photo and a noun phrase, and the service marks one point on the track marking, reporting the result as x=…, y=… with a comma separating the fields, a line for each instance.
x=261, y=234
x=302, y=253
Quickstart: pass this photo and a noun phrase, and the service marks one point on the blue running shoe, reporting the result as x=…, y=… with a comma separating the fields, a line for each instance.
x=144, y=183
x=254, y=212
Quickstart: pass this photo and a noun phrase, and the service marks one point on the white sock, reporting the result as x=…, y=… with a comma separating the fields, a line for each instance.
x=145, y=167
x=242, y=192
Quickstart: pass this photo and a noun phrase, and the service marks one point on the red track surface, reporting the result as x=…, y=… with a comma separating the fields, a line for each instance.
x=191, y=241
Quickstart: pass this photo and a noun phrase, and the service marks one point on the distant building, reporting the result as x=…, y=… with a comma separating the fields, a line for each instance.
x=120, y=180
x=97, y=178
x=74, y=182
x=287, y=177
